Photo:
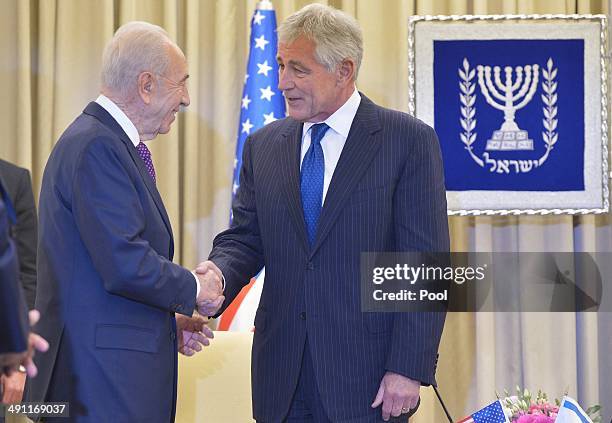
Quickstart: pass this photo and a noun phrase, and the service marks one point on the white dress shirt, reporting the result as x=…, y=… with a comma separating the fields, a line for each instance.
x=120, y=117
x=131, y=131
x=334, y=139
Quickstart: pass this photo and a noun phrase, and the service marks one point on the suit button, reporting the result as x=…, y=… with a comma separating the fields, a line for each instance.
x=303, y=315
x=310, y=265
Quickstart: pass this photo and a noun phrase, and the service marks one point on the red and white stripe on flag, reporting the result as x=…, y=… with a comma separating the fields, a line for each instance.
x=239, y=316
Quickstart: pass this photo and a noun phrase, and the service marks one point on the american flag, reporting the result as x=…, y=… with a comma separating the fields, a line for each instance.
x=261, y=104
x=492, y=413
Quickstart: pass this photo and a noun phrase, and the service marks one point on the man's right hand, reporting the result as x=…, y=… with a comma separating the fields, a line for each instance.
x=211, y=288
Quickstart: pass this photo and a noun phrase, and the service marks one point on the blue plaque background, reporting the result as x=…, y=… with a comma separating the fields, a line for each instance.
x=564, y=168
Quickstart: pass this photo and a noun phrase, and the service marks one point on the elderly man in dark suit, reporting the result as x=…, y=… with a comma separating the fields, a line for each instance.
x=107, y=285
x=338, y=177
x=18, y=185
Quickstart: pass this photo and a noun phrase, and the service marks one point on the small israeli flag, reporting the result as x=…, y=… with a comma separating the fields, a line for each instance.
x=570, y=412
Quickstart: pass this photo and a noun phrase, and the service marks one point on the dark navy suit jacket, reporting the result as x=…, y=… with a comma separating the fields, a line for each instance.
x=107, y=289
x=14, y=326
x=387, y=194
x=18, y=184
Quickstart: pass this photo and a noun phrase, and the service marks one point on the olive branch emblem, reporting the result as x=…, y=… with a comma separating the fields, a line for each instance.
x=549, y=98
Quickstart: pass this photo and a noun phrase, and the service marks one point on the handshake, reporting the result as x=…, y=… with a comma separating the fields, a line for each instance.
x=193, y=334
x=211, y=297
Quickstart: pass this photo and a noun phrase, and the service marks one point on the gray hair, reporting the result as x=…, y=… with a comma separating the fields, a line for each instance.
x=336, y=34
x=136, y=47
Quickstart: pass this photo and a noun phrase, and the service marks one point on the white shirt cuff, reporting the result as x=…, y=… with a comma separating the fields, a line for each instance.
x=197, y=284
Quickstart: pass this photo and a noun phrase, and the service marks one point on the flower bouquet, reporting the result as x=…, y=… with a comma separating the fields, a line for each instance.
x=525, y=408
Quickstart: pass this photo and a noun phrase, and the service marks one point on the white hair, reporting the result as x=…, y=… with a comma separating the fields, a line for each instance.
x=336, y=34
x=136, y=47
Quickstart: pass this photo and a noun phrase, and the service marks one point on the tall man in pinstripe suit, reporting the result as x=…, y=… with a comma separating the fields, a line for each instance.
x=338, y=177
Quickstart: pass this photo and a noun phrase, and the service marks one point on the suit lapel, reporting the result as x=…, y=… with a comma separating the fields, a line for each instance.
x=8, y=205
x=94, y=109
x=151, y=187
x=359, y=150
x=290, y=156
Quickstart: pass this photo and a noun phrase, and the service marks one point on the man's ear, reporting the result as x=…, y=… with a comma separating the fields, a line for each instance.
x=146, y=84
x=345, y=71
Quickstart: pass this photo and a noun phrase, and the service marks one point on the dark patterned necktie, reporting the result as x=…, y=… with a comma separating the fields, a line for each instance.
x=313, y=172
x=145, y=155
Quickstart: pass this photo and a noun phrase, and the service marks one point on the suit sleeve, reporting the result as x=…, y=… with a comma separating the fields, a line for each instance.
x=238, y=251
x=26, y=236
x=13, y=317
x=421, y=226
x=110, y=219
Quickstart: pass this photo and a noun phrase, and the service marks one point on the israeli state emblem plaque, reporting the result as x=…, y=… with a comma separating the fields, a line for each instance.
x=519, y=104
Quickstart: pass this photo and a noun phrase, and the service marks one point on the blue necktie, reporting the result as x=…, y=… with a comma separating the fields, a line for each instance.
x=313, y=170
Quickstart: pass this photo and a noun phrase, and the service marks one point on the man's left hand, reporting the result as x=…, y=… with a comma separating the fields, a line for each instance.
x=397, y=394
x=10, y=362
x=193, y=334
x=12, y=387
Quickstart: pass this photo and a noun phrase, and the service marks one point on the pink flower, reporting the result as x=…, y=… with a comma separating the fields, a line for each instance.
x=536, y=411
x=535, y=418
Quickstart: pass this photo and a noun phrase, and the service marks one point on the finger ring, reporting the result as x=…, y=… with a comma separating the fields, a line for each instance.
x=405, y=410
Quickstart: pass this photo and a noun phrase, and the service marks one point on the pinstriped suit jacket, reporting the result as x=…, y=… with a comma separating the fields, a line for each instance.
x=387, y=194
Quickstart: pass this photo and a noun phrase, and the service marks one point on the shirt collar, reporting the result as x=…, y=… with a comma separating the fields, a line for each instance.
x=342, y=119
x=121, y=118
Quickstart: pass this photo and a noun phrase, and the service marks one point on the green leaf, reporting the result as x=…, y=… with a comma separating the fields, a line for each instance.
x=594, y=409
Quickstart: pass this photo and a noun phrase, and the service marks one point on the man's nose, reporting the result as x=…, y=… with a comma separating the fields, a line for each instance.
x=185, y=100
x=285, y=81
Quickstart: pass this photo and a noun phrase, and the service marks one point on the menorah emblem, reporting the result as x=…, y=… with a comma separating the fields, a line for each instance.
x=509, y=136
